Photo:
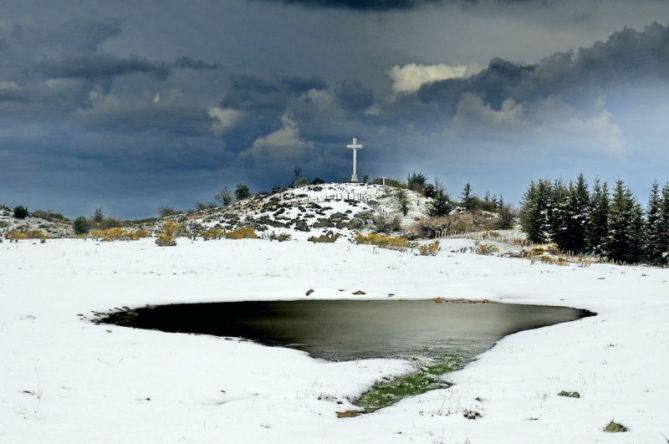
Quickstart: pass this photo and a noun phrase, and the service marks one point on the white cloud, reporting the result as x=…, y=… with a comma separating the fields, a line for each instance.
x=550, y=121
x=281, y=146
x=409, y=78
x=223, y=119
x=9, y=86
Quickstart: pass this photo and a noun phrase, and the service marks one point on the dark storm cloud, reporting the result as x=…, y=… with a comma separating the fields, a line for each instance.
x=100, y=66
x=627, y=56
x=190, y=63
x=354, y=96
x=263, y=92
x=361, y=5
x=74, y=36
x=392, y=5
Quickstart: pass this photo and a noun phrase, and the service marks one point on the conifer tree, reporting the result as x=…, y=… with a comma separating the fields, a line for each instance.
x=575, y=216
x=441, y=204
x=557, y=213
x=625, y=224
x=467, y=197
x=598, y=218
x=664, y=225
x=653, y=239
x=534, y=211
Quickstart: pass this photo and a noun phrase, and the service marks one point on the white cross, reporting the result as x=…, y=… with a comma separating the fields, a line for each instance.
x=355, y=146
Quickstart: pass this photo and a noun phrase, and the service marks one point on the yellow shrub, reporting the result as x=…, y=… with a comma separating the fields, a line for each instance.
x=212, y=233
x=430, y=249
x=241, y=233
x=28, y=234
x=384, y=241
x=117, y=233
x=167, y=235
x=486, y=249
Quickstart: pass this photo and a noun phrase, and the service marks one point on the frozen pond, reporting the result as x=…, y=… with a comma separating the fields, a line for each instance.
x=340, y=330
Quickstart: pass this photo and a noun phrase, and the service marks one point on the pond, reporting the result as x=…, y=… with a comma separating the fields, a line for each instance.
x=341, y=330
x=441, y=337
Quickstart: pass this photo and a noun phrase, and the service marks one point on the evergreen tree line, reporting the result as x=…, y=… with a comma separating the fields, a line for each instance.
x=596, y=221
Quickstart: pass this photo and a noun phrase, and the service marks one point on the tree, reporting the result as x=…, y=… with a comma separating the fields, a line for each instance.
x=664, y=223
x=557, y=213
x=429, y=190
x=417, y=182
x=534, y=211
x=505, y=221
x=440, y=205
x=20, y=212
x=167, y=211
x=98, y=216
x=575, y=217
x=625, y=224
x=242, y=191
x=467, y=197
x=402, y=201
x=81, y=225
x=598, y=221
x=654, y=239
x=224, y=197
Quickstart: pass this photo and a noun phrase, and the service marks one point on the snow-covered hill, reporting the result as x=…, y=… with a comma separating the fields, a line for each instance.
x=53, y=227
x=313, y=209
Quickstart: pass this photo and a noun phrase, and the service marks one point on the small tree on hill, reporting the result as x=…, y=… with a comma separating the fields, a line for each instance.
x=242, y=191
x=98, y=216
x=505, y=221
x=81, y=225
x=402, y=201
x=467, y=197
x=20, y=212
x=417, y=182
x=441, y=204
x=224, y=197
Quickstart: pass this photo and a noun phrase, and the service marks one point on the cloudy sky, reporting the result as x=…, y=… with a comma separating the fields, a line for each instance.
x=133, y=105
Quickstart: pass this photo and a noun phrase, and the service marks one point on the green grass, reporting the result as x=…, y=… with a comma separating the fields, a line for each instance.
x=428, y=377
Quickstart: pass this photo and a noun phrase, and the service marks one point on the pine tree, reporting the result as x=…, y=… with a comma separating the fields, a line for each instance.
x=664, y=225
x=557, y=214
x=575, y=216
x=625, y=224
x=467, y=197
x=534, y=211
x=441, y=204
x=653, y=239
x=598, y=229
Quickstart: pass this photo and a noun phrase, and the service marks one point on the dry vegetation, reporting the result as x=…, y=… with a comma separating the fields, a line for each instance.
x=385, y=241
x=117, y=234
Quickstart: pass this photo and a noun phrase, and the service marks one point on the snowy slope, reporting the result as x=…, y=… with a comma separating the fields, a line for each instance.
x=311, y=210
x=65, y=380
x=53, y=228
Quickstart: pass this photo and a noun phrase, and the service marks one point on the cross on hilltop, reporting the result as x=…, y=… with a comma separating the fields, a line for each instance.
x=355, y=146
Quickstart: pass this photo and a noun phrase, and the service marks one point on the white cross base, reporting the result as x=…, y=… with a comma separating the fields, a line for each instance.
x=355, y=146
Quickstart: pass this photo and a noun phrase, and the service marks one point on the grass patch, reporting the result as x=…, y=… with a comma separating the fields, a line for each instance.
x=428, y=377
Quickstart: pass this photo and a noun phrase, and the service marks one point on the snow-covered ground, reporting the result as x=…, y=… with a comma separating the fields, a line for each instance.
x=66, y=380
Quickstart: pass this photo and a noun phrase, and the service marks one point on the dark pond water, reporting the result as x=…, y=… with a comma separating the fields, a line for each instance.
x=345, y=330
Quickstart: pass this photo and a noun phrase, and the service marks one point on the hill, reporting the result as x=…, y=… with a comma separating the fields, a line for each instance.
x=313, y=210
